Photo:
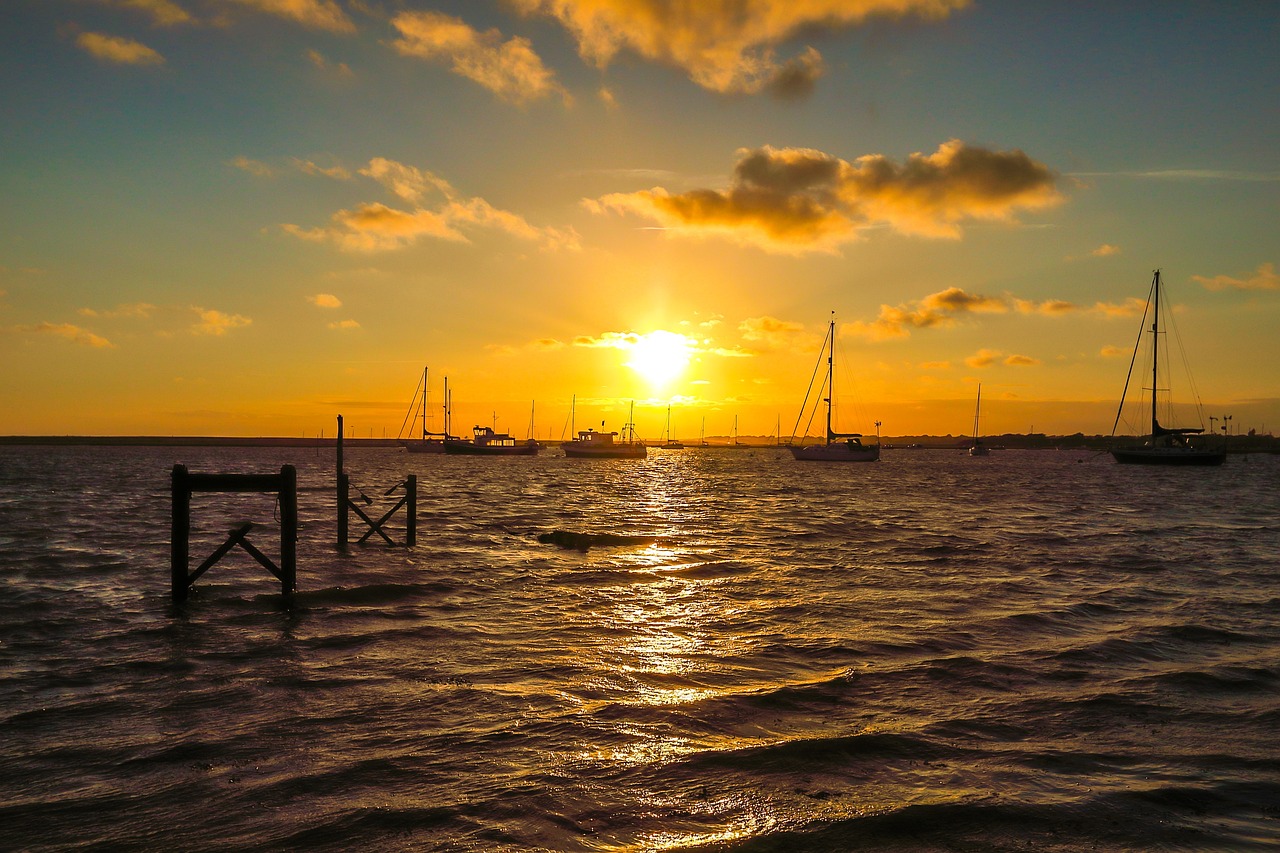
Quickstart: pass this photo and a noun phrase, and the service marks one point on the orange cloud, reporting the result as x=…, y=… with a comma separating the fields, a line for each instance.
x=122, y=51
x=1131, y=307
x=983, y=358
x=511, y=70
x=217, y=323
x=164, y=13
x=1050, y=307
x=325, y=300
x=1264, y=278
x=797, y=200
x=723, y=47
x=316, y=14
x=936, y=310
x=344, y=325
x=1022, y=361
x=373, y=226
x=1105, y=250
x=72, y=333
x=770, y=332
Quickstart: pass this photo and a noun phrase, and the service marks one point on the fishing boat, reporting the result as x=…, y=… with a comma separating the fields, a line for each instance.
x=671, y=443
x=1162, y=445
x=606, y=445
x=485, y=441
x=839, y=446
x=428, y=441
x=978, y=448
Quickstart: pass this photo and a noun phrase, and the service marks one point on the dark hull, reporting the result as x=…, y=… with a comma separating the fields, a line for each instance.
x=633, y=452
x=1147, y=456
x=466, y=448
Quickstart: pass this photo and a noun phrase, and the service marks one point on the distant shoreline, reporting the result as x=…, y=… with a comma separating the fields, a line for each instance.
x=1236, y=444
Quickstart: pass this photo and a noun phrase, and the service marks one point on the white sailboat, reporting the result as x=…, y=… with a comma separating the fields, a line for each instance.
x=1163, y=445
x=839, y=446
x=978, y=448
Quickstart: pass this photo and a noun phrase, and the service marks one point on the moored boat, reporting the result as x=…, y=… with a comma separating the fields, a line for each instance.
x=839, y=446
x=485, y=441
x=1162, y=445
x=603, y=445
x=978, y=448
x=427, y=441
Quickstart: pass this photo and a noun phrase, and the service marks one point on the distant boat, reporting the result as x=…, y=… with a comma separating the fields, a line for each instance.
x=601, y=445
x=839, y=446
x=671, y=443
x=428, y=442
x=978, y=448
x=485, y=442
x=1163, y=445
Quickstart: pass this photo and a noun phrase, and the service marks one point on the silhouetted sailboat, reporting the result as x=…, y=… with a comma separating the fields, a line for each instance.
x=978, y=448
x=1164, y=445
x=428, y=442
x=839, y=446
x=602, y=445
x=671, y=443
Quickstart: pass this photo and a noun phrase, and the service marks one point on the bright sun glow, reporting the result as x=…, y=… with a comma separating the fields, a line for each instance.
x=660, y=357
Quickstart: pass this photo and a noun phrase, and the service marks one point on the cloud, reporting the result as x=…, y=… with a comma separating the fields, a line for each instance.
x=1022, y=361
x=308, y=168
x=373, y=226
x=1264, y=278
x=797, y=200
x=119, y=50
x=1131, y=307
x=1106, y=250
x=1110, y=351
x=134, y=310
x=344, y=325
x=510, y=69
x=1049, y=307
x=936, y=310
x=72, y=333
x=340, y=69
x=770, y=332
x=325, y=300
x=217, y=323
x=253, y=167
x=164, y=13
x=723, y=47
x=315, y=14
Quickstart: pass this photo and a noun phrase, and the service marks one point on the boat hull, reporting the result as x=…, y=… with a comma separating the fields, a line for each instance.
x=1168, y=456
x=467, y=448
x=423, y=445
x=614, y=452
x=837, y=452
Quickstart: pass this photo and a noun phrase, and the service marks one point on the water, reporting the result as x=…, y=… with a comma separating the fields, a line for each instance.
x=1032, y=651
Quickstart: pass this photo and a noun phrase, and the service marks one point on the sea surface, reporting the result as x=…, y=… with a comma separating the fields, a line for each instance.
x=1037, y=650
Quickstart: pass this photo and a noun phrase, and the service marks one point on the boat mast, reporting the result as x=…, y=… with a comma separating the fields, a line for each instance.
x=424, y=403
x=831, y=375
x=976, y=411
x=1155, y=354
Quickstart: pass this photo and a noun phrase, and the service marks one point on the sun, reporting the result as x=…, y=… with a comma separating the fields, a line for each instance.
x=660, y=357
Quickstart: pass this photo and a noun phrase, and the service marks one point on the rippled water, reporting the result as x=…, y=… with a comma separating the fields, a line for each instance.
x=1036, y=650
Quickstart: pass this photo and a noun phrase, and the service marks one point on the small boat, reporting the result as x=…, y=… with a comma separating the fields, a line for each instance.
x=978, y=448
x=428, y=442
x=1163, y=445
x=839, y=446
x=671, y=443
x=602, y=445
x=485, y=442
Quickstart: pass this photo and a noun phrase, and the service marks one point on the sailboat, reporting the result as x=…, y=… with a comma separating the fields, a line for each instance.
x=839, y=446
x=429, y=442
x=1163, y=445
x=671, y=443
x=978, y=448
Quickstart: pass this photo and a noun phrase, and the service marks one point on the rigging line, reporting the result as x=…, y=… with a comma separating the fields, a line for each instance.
x=809, y=391
x=1142, y=330
x=412, y=413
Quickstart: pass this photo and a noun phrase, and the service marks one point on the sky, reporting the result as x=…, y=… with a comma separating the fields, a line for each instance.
x=246, y=217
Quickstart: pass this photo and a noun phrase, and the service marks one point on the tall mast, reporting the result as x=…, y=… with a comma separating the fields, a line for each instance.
x=424, y=402
x=1155, y=353
x=831, y=371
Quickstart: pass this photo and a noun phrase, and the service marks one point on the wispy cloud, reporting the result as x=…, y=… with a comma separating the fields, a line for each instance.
x=770, y=333
x=134, y=310
x=723, y=47
x=984, y=358
x=314, y=14
x=796, y=200
x=321, y=62
x=374, y=226
x=1106, y=250
x=217, y=323
x=164, y=13
x=69, y=332
x=325, y=300
x=344, y=325
x=253, y=167
x=509, y=69
x=117, y=49
x=1263, y=278
x=935, y=310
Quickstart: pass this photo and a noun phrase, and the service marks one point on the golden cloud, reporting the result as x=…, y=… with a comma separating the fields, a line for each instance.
x=373, y=226
x=164, y=13
x=1106, y=250
x=325, y=300
x=722, y=46
x=510, y=69
x=1022, y=361
x=770, y=332
x=1050, y=307
x=119, y=50
x=1264, y=278
x=936, y=310
x=1131, y=307
x=217, y=323
x=316, y=14
x=70, y=332
x=983, y=358
x=796, y=200
x=344, y=325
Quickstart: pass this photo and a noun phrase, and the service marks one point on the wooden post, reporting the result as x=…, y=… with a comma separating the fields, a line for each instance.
x=344, y=501
x=179, y=548
x=288, y=530
x=411, y=510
